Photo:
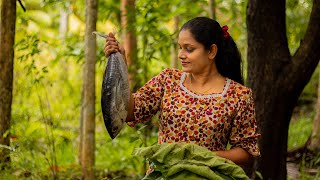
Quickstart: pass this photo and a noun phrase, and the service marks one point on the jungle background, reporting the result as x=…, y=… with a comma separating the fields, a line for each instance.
x=50, y=78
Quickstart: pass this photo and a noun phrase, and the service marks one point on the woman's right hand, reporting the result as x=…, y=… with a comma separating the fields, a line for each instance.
x=112, y=46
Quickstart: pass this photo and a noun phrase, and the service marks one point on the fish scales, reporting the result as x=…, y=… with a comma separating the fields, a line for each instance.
x=115, y=94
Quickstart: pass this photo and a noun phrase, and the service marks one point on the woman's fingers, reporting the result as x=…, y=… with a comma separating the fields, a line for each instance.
x=112, y=45
x=109, y=49
x=111, y=35
x=111, y=38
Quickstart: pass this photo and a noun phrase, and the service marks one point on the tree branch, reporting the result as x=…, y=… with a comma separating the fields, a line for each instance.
x=307, y=56
x=24, y=9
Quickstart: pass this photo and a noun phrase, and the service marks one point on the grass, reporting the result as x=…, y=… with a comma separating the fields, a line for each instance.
x=32, y=158
x=299, y=132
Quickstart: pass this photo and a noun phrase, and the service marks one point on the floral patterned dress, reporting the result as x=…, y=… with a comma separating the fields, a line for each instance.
x=210, y=120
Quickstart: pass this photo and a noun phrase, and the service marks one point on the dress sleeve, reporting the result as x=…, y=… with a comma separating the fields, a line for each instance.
x=147, y=100
x=244, y=131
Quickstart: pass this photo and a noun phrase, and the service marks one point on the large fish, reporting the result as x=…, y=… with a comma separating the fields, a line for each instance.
x=115, y=93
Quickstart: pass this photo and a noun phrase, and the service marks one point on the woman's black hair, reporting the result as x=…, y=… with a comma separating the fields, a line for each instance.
x=207, y=32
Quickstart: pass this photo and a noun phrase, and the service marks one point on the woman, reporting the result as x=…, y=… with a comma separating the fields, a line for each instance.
x=205, y=102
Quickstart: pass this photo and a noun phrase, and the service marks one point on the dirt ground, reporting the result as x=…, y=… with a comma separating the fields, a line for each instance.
x=294, y=173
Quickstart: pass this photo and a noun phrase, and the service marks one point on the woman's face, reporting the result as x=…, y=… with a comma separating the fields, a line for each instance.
x=194, y=58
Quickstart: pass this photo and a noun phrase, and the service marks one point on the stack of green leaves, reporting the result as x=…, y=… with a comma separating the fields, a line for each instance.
x=187, y=161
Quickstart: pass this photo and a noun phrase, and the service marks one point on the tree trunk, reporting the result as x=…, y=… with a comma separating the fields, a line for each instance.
x=63, y=27
x=81, y=127
x=129, y=37
x=212, y=9
x=175, y=46
x=7, y=33
x=315, y=136
x=88, y=101
x=277, y=79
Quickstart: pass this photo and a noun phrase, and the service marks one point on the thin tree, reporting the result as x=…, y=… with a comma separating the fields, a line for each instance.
x=7, y=33
x=129, y=36
x=64, y=21
x=175, y=46
x=88, y=101
x=212, y=9
x=276, y=77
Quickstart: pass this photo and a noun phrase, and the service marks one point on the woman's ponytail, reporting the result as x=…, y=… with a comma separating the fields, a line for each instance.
x=228, y=61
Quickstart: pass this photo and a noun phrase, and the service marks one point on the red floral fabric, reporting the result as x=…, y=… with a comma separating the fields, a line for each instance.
x=210, y=120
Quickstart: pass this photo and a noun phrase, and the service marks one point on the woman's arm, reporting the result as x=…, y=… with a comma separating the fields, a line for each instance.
x=244, y=137
x=237, y=155
x=130, y=116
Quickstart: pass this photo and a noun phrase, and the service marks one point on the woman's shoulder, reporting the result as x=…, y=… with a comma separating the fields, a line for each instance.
x=171, y=73
x=239, y=90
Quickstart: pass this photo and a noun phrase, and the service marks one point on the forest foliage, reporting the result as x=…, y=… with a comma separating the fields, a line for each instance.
x=47, y=79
